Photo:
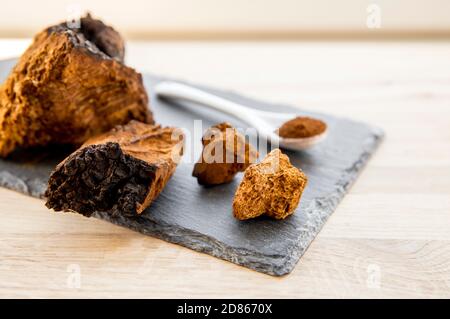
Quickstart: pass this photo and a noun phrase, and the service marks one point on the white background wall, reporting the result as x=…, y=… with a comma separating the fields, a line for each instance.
x=179, y=18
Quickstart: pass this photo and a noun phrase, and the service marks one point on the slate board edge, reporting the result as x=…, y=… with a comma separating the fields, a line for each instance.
x=17, y=184
x=201, y=243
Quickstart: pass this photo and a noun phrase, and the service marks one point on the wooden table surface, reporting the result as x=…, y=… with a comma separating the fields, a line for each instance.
x=389, y=237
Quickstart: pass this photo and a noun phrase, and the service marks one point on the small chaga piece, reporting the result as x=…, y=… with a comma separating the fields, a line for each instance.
x=272, y=187
x=120, y=172
x=70, y=85
x=225, y=153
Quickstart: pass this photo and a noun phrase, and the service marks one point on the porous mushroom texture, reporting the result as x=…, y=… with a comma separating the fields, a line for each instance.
x=120, y=172
x=273, y=188
x=225, y=153
x=68, y=86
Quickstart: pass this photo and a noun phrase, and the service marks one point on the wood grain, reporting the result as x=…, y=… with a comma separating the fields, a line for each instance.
x=394, y=223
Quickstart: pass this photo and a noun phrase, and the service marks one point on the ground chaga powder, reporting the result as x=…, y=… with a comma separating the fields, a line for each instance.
x=302, y=127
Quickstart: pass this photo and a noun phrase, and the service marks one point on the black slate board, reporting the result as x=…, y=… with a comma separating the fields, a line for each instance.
x=201, y=218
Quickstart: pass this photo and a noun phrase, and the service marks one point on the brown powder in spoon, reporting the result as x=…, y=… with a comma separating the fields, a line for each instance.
x=302, y=127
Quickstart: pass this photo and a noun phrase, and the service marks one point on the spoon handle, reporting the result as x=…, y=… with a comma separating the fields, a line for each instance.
x=181, y=91
x=184, y=92
x=275, y=115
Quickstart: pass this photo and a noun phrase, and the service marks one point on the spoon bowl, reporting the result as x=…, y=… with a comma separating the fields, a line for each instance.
x=266, y=123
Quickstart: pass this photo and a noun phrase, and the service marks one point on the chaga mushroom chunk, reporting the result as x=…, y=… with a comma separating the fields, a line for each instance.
x=70, y=85
x=120, y=172
x=96, y=36
x=272, y=187
x=225, y=153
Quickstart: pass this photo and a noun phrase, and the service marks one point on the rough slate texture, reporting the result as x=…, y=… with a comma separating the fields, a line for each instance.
x=201, y=218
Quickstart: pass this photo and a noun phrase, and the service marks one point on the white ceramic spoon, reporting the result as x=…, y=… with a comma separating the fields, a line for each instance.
x=266, y=123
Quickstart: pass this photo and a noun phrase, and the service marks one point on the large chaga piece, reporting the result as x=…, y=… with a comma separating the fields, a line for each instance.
x=70, y=85
x=120, y=172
